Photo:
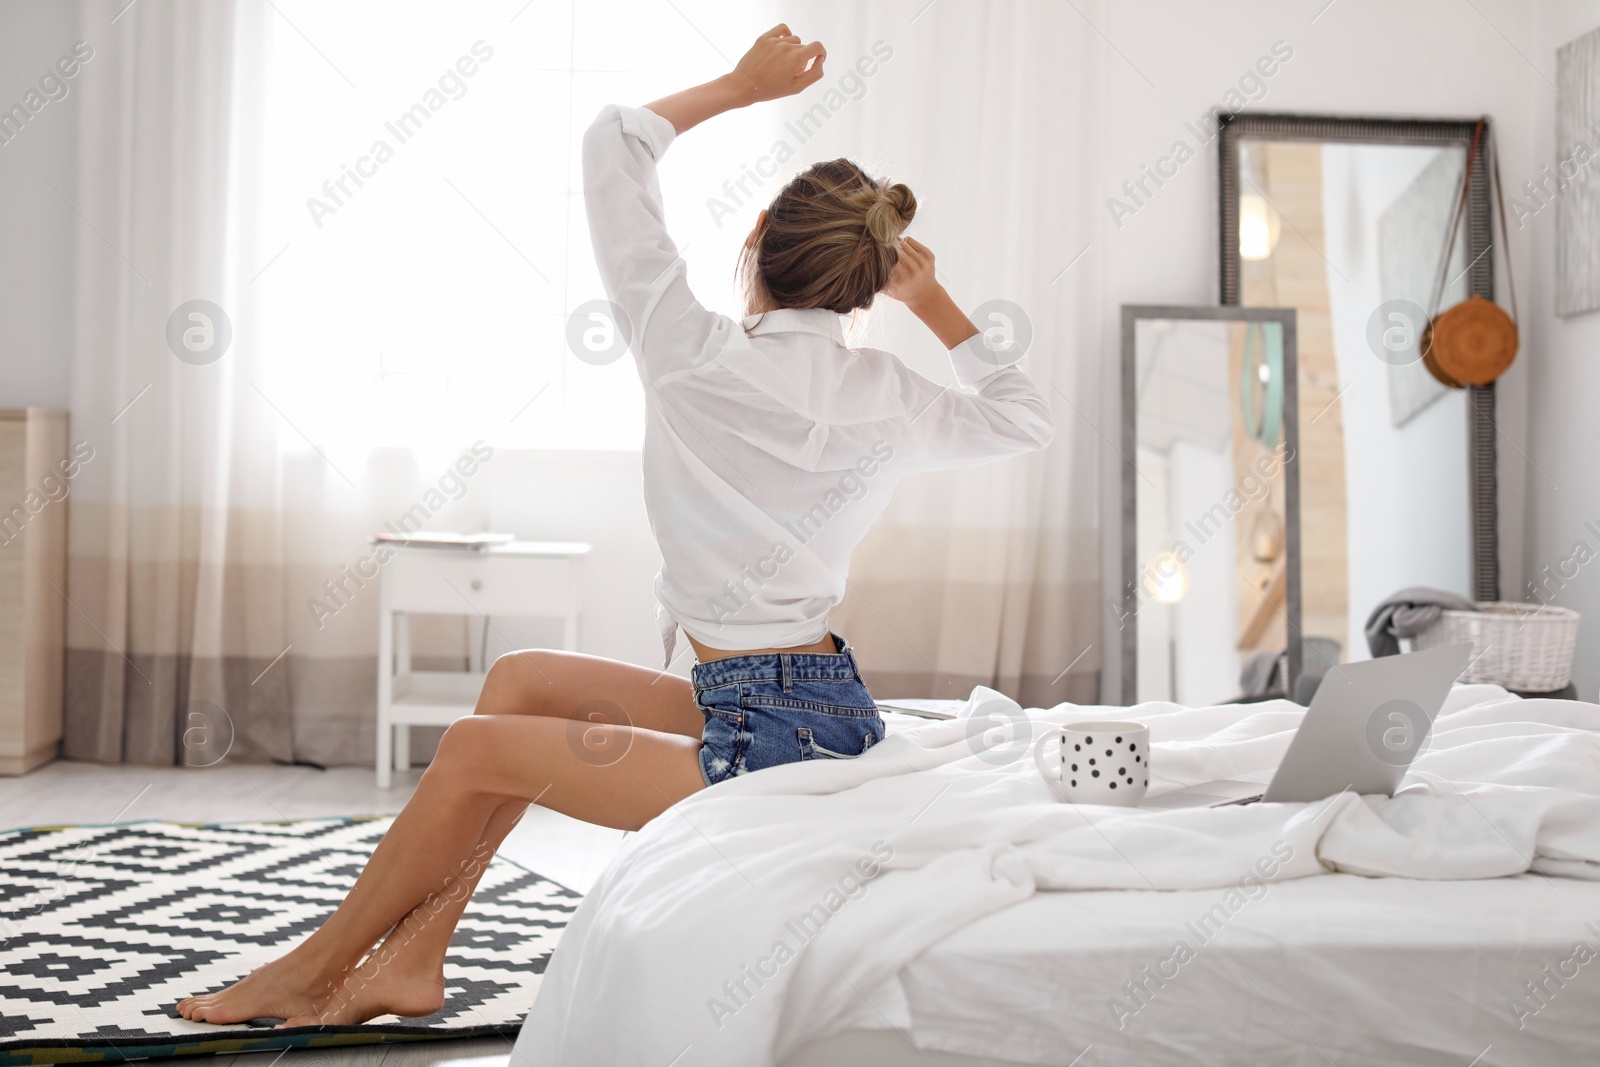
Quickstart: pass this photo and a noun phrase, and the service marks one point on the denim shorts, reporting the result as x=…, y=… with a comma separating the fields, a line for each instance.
x=782, y=707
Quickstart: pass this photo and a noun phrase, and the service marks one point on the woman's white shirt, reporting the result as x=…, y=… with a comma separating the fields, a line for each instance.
x=770, y=447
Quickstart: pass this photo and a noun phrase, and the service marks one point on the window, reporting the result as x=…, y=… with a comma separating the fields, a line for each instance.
x=416, y=223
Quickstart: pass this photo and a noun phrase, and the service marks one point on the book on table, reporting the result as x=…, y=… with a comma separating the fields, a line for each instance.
x=476, y=542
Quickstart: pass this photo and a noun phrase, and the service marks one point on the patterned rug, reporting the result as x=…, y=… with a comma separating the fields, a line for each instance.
x=104, y=928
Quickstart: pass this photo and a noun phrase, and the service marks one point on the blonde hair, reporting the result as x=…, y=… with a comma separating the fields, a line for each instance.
x=831, y=239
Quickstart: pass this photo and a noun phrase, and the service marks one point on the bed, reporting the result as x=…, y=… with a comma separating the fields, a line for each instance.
x=1356, y=970
x=1457, y=923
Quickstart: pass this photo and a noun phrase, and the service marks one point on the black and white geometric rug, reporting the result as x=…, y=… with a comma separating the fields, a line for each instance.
x=103, y=929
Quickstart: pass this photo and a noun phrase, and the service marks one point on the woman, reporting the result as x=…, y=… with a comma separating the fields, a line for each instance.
x=770, y=448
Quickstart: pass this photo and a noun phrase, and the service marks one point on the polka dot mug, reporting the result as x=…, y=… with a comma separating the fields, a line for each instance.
x=1101, y=762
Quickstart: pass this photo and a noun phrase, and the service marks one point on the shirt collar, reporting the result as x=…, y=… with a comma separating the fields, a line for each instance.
x=796, y=320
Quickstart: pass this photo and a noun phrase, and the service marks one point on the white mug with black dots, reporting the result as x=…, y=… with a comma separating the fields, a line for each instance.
x=1101, y=762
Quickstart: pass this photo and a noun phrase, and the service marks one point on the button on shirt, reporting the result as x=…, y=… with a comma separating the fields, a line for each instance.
x=770, y=447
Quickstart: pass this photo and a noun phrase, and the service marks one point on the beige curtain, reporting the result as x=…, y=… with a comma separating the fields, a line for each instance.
x=205, y=526
x=167, y=627
x=988, y=575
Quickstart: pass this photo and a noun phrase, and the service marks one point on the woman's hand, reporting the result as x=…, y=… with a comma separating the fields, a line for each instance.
x=915, y=285
x=913, y=282
x=778, y=65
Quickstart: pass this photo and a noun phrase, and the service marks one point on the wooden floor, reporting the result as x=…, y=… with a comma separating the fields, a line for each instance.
x=61, y=794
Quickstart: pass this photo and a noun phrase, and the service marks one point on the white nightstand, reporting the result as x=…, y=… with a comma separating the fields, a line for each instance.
x=521, y=578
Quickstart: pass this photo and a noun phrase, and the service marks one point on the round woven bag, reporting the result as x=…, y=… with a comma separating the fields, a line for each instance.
x=1471, y=343
x=1475, y=341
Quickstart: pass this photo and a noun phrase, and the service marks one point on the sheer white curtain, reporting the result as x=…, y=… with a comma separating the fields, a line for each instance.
x=988, y=575
x=163, y=633
x=382, y=203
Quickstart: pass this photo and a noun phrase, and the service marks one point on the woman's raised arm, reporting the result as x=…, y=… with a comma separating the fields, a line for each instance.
x=643, y=275
x=776, y=65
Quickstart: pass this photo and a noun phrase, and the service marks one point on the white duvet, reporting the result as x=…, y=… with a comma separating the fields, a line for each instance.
x=751, y=918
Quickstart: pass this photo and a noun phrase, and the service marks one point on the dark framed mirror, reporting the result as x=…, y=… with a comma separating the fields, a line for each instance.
x=1347, y=220
x=1210, y=556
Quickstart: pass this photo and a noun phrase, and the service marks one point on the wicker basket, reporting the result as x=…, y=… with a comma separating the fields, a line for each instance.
x=1519, y=646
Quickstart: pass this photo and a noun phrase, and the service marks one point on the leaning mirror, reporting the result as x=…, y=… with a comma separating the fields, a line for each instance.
x=1349, y=221
x=1210, y=504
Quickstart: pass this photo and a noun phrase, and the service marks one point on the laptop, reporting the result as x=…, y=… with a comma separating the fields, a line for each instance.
x=1365, y=725
x=924, y=709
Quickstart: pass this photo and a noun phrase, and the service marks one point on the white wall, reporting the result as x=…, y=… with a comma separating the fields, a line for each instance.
x=1426, y=57
x=37, y=227
x=1562, y=361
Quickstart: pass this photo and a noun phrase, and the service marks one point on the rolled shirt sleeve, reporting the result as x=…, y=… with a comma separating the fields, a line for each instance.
x=993, y=411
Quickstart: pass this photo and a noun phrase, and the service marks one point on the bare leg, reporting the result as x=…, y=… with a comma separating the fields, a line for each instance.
x=409, y=964
x=405, y=974
x=487, y=769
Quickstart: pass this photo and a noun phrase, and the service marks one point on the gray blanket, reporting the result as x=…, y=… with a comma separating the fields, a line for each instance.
x=1406, y=614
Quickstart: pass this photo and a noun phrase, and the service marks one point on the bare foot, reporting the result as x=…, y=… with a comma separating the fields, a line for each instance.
x=403, y=976
x=278, y=990
x=369, y=991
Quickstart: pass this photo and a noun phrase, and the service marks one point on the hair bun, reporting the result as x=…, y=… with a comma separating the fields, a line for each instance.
x=830, y=239
x=891, y=213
